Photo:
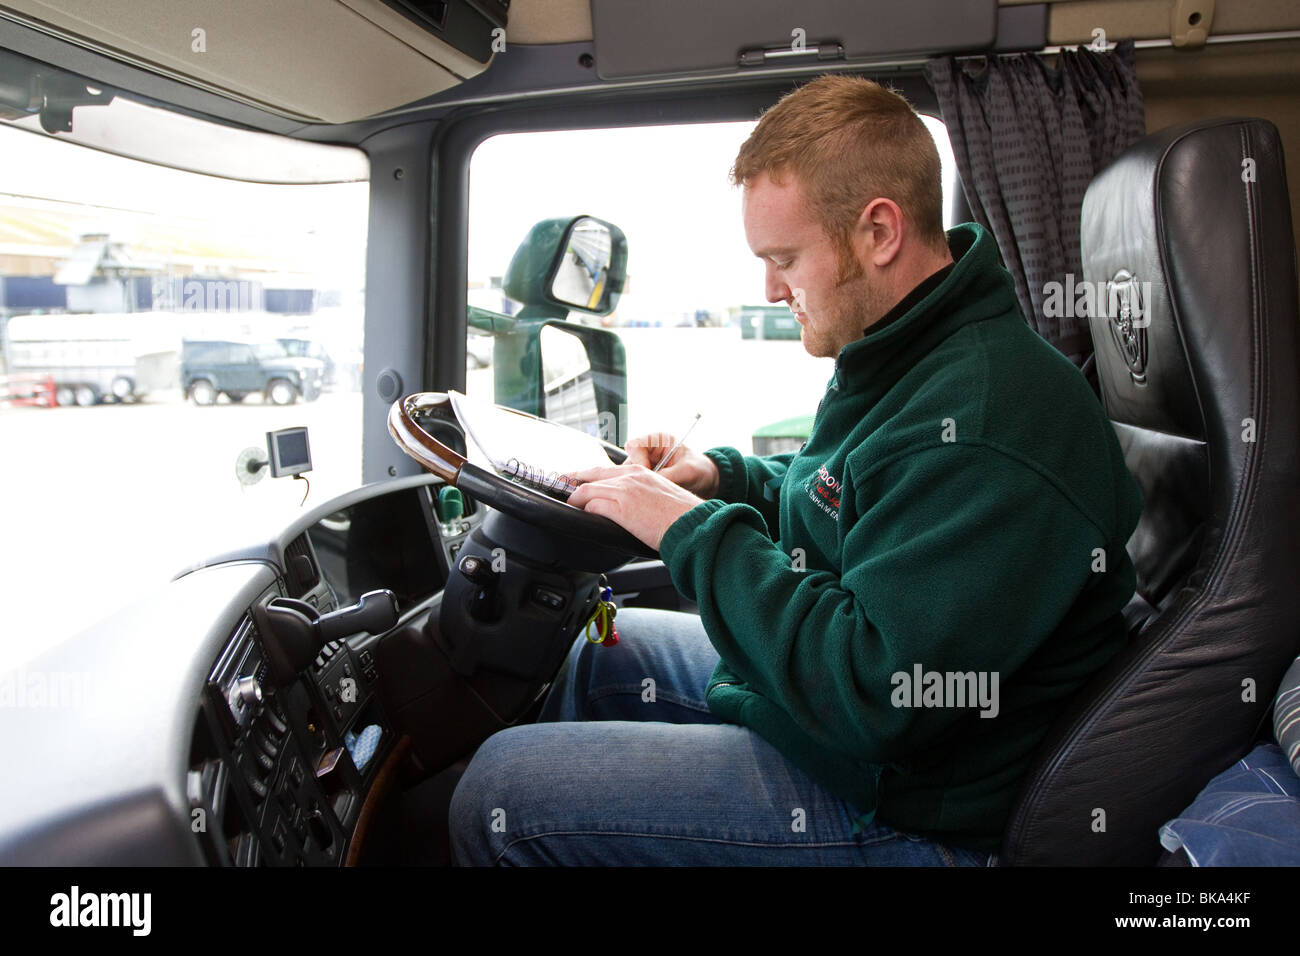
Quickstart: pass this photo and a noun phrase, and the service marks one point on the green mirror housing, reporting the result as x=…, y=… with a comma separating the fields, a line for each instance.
x=568, y=264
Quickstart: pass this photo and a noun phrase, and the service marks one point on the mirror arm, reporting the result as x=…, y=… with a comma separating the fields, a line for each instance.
x=487, y=321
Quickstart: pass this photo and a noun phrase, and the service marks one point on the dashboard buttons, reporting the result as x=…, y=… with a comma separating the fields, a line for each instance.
x=278, y=725
x=256, y=785
x=267, y=745
x=368, y=669
x=548, y=598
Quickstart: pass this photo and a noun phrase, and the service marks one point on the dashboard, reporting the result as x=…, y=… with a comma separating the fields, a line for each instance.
x=260, y=709
x=176, y=740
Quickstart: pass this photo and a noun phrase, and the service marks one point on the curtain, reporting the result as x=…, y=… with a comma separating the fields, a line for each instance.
x=1028, y=139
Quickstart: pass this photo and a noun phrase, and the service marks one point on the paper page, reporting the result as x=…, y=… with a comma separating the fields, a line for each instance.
x=544, y=446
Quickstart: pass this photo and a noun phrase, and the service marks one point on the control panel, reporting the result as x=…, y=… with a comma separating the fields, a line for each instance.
x=273, y=780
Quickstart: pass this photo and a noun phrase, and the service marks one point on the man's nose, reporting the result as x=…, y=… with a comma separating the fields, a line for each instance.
x=777, y=290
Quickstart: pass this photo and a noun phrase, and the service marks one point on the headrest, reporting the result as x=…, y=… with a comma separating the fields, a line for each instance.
x=1179, y=238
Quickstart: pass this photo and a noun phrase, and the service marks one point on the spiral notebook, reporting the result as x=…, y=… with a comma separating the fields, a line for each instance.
x=528, y=450
x=553, y=483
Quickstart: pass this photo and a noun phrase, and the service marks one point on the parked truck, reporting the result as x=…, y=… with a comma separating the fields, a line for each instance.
x=92, y=357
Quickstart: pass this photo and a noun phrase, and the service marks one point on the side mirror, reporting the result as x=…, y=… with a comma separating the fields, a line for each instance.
x=543, y=365
x=568, y=264
x=581, y=276
x=572, y=374
x=584, y=379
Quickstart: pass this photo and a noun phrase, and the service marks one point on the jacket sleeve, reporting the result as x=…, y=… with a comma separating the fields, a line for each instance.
x=753, y=481
x=960, y=558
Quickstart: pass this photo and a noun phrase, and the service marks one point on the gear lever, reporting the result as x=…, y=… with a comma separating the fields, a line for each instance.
x=293, y=631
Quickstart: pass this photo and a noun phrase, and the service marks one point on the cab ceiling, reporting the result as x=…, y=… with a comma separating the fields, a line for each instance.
x=335, y=61
x=1069, y=22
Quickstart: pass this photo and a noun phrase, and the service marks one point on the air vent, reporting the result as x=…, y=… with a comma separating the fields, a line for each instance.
x=431, y=14
x=300, y=571
x=467, y=25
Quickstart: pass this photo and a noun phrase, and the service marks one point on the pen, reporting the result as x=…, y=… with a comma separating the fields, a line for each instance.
x=671, y=451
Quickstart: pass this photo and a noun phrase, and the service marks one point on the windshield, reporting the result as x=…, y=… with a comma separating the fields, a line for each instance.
x=132, y=295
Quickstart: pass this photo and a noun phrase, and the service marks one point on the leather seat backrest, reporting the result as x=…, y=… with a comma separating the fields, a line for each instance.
x=1187, y=243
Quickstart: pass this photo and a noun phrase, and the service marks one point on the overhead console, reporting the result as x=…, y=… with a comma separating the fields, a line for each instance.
x=635, y=39
x=331, y=61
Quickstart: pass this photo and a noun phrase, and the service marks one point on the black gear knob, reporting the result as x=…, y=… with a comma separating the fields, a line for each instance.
x=294, y=631
x=478, y=570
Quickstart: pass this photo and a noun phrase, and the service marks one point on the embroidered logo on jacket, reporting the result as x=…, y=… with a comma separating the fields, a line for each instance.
x=824, y=491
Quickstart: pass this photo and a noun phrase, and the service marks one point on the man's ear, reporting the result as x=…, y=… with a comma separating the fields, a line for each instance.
x=878, y=234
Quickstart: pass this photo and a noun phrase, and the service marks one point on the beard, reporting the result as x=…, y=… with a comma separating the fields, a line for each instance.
x=852, y=305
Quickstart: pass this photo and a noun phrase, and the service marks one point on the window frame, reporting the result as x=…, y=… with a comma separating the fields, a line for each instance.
x=454, y=144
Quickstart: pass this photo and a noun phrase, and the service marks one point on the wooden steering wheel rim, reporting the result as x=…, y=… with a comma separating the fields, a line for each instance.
x=511, y=498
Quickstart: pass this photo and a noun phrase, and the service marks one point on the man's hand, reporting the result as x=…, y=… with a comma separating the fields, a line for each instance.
x=634, y=497
x=692, y=470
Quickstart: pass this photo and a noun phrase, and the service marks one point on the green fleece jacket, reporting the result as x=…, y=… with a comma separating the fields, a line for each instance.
x=949, y=566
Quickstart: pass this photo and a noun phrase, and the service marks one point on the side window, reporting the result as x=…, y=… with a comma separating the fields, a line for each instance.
x=699, y=335
x=118, y=278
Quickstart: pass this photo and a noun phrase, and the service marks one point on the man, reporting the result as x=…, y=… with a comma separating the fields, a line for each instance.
x=889, y=619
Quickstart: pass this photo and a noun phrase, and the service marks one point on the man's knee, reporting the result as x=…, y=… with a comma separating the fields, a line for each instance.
x=506, y=782
x=477, y=795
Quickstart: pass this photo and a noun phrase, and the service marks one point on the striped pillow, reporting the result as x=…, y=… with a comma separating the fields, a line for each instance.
x=1286, y=716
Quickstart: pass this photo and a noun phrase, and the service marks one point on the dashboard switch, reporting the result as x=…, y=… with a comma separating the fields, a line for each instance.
x=477, y=569
x=483, y=603
x=278, y=725
x=548, y=598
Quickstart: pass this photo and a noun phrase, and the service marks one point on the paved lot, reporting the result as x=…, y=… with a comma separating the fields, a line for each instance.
x=102, y=504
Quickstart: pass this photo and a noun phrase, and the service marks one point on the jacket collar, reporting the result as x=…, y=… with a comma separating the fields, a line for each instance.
x=977, y=288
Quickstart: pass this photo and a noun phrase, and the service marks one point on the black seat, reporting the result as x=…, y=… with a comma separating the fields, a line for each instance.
x=1200, y=378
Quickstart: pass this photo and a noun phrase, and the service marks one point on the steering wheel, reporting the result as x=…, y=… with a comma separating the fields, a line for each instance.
x=596, y=539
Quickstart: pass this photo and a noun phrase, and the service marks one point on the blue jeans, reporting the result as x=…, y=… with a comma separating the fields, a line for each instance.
x=621, y=771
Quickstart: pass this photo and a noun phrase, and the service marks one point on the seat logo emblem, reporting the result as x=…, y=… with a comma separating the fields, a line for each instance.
x=1126, y=312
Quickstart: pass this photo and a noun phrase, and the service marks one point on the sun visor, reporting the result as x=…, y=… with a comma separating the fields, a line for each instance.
x=328, y=61
x=675, y=37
